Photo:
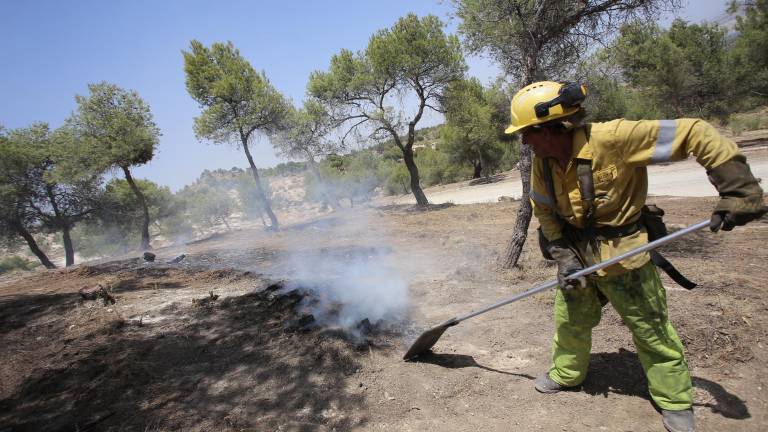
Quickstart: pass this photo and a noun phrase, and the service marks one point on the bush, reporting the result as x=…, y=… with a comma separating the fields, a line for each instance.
x=98, y=239
x=432, y=166
x=14, y=262
x=641, y=107
x=399, y=181
x=742, y=122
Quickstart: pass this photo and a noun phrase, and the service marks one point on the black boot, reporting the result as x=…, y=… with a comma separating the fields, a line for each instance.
x=545, y=384
x=678, y=421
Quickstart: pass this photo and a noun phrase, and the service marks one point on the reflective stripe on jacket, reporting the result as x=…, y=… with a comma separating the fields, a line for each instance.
x=620, y=150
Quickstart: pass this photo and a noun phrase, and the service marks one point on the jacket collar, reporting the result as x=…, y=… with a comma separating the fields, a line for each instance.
x=582, y=149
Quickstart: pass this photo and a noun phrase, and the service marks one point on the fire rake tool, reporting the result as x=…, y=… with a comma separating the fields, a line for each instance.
x=428, y=339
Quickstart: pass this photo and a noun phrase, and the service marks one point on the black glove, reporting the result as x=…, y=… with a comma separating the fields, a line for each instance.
x=567, y=263
x=741, y=198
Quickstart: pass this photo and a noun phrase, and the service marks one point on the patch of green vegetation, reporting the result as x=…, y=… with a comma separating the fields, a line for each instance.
x=15, y=262
x=753, y=120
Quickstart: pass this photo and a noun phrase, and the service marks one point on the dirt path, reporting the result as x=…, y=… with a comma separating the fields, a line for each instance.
x=686, y=178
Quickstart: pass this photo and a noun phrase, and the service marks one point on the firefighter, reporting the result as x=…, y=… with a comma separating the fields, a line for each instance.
x=589, y=184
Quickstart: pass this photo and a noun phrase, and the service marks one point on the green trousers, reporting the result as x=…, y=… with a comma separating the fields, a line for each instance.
x=640, y=299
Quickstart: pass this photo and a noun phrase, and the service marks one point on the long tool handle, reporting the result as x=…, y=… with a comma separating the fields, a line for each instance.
x=589, y=270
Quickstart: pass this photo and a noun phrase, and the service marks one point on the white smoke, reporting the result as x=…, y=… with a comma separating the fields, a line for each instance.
x=353, y=275
x=363, y=284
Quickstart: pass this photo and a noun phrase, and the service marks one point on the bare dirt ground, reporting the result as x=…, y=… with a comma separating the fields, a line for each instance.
x=167, y=356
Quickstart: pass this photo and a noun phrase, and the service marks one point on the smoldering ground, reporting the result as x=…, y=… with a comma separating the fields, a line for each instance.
x=349, y=282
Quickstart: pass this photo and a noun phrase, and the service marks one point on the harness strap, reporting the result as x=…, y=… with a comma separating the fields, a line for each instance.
x=547, y=169
x=587, y=190
x=591, y=233
x=662, y=263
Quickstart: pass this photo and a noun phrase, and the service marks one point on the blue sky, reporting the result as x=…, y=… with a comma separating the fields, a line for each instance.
x=53, y=49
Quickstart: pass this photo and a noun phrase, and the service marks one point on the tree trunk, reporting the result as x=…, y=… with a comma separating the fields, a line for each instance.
x=413, y=170
x=477, y=170
x=261, y=215
x=262, y=196
x=483, y=167
x=524, y=212
x=144, y=208
x=61, y=222
x=34, y=247
x=327, y=195
x=69, y=251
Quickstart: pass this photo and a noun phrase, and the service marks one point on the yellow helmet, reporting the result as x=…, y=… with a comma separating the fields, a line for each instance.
x=544, y=101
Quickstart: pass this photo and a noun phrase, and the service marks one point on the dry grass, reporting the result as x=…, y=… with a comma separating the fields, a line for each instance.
x=749, y=121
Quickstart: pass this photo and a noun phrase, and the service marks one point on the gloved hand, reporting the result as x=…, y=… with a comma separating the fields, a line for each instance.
x=567, y=263
x=741, y=198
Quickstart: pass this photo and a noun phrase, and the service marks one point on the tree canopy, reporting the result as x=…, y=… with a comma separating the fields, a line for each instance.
x=121, y=133
x=474, y=126
x=683, y=70
x=17, y=177
x=306, y=135
x=749, y=57
x=412, y=61
x=45, y=188
x=238, y=103
x=118, y=124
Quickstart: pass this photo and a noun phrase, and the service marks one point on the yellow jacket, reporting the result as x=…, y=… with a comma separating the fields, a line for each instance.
x=620, y=150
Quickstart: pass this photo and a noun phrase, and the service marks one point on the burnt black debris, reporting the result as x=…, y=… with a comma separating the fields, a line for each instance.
x=304, y=324
x=305, y=310
x=289, y=299
x=365, y=327
x=277, y=286
x=306, y=320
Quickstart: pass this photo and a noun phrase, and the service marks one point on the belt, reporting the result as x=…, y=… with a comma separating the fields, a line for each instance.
x=603, y=232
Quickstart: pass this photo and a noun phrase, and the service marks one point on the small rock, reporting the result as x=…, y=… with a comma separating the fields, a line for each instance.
x=365, y=327
x=118, y=323
x=97, y=292
x=149, y=257
x=178, y=259
x=90, y=293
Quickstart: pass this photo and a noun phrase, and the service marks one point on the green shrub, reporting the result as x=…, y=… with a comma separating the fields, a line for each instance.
x=399, y=181
x=742, y=122
x=15, y=262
